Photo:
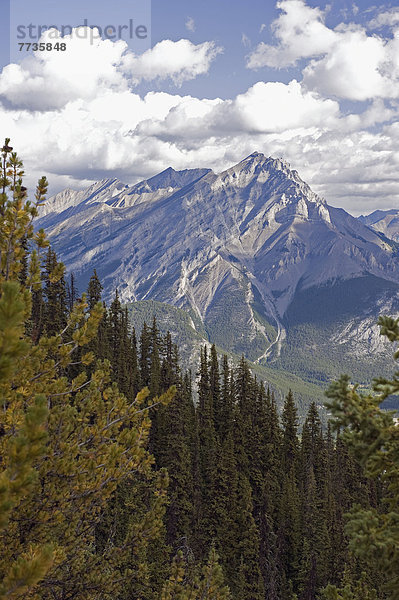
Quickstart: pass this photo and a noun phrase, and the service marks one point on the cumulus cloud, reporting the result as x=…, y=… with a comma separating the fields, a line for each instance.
x=360, y=67
x=345, y=62
x=264, y=108
x=300, y=32
x=122, y=134
x=278, y=107
x=179, y=61
x=48, y=80
x=77, y=127
x=92, y=66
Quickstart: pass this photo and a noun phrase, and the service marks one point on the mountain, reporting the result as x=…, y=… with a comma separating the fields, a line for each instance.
x=385, y=221
x=260, y=263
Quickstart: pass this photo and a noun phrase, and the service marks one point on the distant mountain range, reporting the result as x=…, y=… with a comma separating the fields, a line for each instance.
x=261, y=265
x=385, y=221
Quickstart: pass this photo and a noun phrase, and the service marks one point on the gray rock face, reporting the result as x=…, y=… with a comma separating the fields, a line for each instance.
x=234, y=249
x=385, y=221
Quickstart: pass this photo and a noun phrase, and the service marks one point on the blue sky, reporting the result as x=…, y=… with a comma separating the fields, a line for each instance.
x=224, y=21
x=313, y=82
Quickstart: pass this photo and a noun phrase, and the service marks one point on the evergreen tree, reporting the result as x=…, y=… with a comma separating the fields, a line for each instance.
x=214, y=386
x=71, y=292
x=289, y=509
x=206, y=458
x=209, y=586
x=155, y=361
x=55, y=308
x=249, y=583
x=65, y=445
x=224, y=414
x=94, y=290
x=290, y=446
x=372, y=436
x=145, y=360
x=316, y=542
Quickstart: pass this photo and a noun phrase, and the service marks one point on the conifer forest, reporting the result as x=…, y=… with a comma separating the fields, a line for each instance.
x=126, y=476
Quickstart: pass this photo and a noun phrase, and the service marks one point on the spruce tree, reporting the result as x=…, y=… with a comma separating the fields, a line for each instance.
x=71, y=292
x=206, y=457
x=145, y=360
x=372, y=436
x=55, y=307
x=94, y=290
x=316, y=542
x=289, y=509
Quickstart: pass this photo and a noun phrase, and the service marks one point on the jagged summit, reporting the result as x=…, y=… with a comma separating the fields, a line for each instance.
x=257, y=174
x=172, y=178
x=251, y=253
x=237, y=249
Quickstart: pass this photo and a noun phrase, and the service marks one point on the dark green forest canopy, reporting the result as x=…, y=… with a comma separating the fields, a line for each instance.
x=116, y=484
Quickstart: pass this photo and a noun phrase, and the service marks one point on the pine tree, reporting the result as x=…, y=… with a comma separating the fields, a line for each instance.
x=361, y=589
x=155, y=361
x=249, y=583
x=65, y=446
x=214, y=386
x=174, y=452
x=290, y=446
x=224, y=414
x=212, y=585
x=209, y=586
x=21, y=572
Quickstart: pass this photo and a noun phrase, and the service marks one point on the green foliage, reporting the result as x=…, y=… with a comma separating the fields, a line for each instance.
x=373, y=438
x=206, y=586
x=351, y=590
x=102, y=483
x=66, y=444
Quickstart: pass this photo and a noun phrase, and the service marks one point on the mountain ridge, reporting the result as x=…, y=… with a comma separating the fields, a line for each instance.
x=385, y=222
x=235, y=249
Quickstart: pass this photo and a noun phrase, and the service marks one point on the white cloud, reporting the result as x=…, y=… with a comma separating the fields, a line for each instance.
x=190, y=24
x=91, y=66
x=262, y=27
x=388, y=18
x=265, y=108
x=360, y=67
x=101, y=127
x=179, y=61
x=51, y=79
x=277, y=107
x=301, y=33
x=122, y=134
x=346, y=62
